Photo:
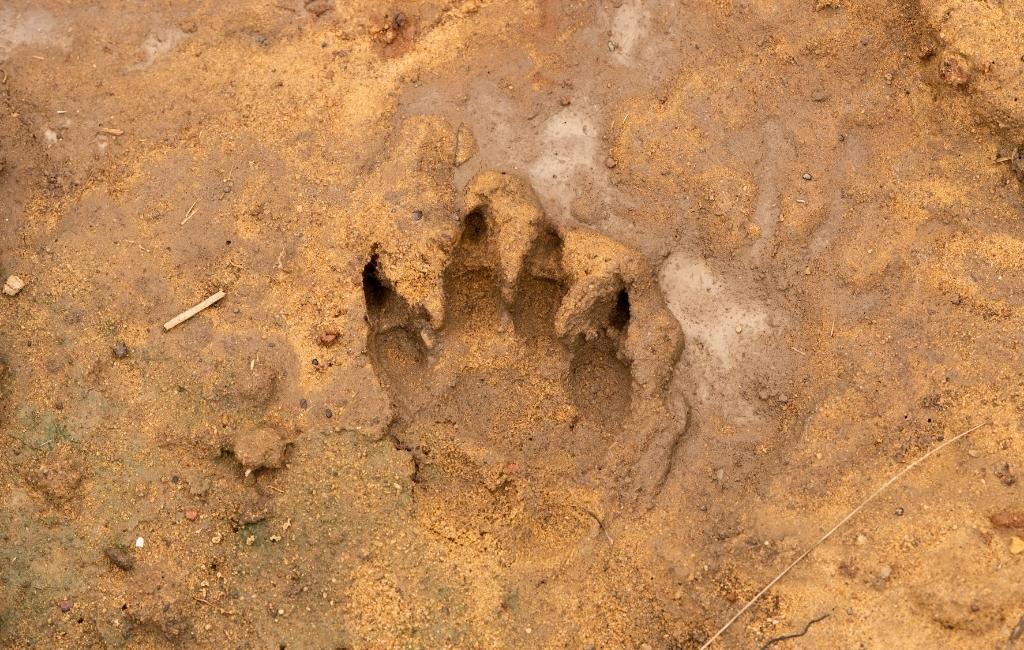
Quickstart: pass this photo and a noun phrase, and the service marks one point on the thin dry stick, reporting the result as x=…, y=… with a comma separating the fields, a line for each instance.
x=824, y=537
x=189, y=313
x=189, y=213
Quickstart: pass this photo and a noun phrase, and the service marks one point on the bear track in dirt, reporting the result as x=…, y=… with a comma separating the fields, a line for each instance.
x=548, y=356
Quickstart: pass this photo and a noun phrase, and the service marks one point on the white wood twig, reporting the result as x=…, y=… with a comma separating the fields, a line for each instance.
x=189, y=313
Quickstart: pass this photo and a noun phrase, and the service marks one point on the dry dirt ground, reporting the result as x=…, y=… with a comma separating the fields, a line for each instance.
x=548, y=324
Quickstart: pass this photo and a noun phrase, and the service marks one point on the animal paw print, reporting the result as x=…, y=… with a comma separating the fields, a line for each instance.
x=528, y=351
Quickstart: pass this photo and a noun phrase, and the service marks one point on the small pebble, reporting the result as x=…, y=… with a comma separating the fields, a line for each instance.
x=328, y=338
x=121, y=558
x=328, y=413
x=13, y=285
x=120, y=350
x=807, y=176
x=885, y=572
x=565, y=101
x=417, y=215
x=610, y=162
x=303, y=403
x=65, y=605
x=139, y=542
x=191, y=515
x=899, y=511
x=1016, y=545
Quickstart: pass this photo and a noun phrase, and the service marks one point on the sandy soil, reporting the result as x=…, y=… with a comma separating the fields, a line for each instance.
x=548, y=324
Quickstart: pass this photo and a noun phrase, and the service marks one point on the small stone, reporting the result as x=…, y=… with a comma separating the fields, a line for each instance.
x=1016, y=545
x=885, y=572
x=329, y=338
x=610, y=162
x=739, y=329
x=120, y=350
x=120, y=557
x=763, y=395
x=1008, y=519
x=861, y=540
x=65, y=605
x=139, y=542
x=899, y=511
x=328, y=413
x=259, y=449
x=807, y=176
x=1005, y=476
x=417, y=215
x=13, y=285
x=303, y=403
x=319, y=7
x=565, y=101
x=191, y=515
x=216, y=538
x=956, y=299
x=465, y=145
x=955, y=69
